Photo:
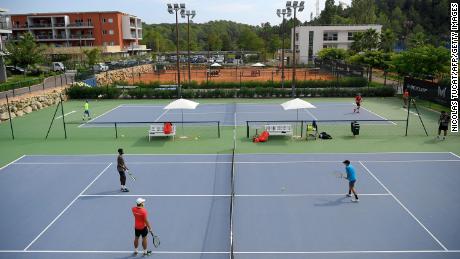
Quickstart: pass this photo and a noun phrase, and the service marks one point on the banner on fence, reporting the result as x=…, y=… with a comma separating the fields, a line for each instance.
x=427, y=90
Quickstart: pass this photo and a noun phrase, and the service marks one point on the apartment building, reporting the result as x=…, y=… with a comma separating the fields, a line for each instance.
x=5, y=30
x=309, y=40
x=113, y=31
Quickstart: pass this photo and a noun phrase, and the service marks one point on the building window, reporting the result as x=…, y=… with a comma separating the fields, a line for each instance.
x=330, y=36
x=104, y=32
x=111, y=32
x=110, y=20
x=89, y=21
x=79, y=21
x=104, y=43
x=296, y=47
x=104, y=20
x=112, y=43
x=296, y=36
x=350, y=35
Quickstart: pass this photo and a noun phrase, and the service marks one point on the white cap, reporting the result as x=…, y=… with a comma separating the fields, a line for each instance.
x=140, y=201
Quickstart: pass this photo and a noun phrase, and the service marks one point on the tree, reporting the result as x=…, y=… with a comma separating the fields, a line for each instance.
x=387, y=40
x=92, y=55
x=367, y=40
x=372, y=58
x=421, y=61
x=333, y=54
x=415, y=40
x=26, y=52
x=363, y=11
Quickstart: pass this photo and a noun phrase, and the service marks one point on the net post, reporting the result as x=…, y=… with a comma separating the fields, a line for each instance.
x=116, y=130
x=407, y=119
x=52, y=120
x=9, y=116
x=62, y=113
x=247, y=129
x=218, y=129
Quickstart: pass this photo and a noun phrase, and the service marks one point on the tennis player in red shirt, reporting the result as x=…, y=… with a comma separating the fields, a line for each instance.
x=358, y=100
x=141, y=226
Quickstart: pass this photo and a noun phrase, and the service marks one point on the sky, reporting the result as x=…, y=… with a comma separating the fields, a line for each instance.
x=252, y=12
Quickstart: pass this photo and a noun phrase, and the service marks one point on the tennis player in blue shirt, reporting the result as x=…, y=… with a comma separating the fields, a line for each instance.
x=351, y=177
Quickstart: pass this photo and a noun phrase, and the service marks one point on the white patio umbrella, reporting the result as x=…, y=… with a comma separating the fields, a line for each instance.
x=181, y=104
x=258, y=65
x=216, y=65
x=297, y=104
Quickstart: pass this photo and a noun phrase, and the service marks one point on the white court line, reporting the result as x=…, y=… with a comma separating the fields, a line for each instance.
x=12, y=162
x=99, y=116
x=66, y=208
x=161, y=115
x=410, y=111
x=378, y=115
x=228, y=195
x=60, y=163
x=237, y=252
x=340, y=161
x=454, y=154
x=65, y=114
x=404, y=207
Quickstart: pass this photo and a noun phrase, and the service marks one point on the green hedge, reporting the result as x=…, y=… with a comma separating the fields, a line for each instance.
x=349, y=82
x=77, y=92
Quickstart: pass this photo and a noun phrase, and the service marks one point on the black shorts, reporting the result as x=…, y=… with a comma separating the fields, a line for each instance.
x=122, y=173
x=142, y=232
x=443, y=127
x=352, y=184
x=358, y=104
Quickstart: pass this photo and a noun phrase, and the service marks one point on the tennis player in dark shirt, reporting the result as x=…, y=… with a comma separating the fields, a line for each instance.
x=444, y=120
x=121, y=167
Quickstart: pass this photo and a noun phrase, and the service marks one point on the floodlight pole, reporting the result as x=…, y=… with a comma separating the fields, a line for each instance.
x=295, y=5
x=188, y=14
x=283, y=13
x=171, y=9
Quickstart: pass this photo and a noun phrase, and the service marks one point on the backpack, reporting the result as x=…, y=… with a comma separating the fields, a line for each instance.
x=324, y=135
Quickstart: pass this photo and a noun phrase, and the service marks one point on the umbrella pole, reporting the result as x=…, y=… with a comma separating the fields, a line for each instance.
x=296, y=123
x=182, y=112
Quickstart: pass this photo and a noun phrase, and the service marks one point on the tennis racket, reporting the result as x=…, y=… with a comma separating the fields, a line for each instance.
x=155, y=239
x=131, y=175
x=340, y=175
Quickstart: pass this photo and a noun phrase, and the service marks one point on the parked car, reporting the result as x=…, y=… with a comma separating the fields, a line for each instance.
x=57, y=67
x=15, y=70
x=100, y=67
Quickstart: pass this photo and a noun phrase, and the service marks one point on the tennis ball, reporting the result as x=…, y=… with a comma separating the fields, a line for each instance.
x=122, y=135
x=196, y=138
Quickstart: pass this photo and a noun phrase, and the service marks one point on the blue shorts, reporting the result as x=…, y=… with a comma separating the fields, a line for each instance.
x=352, y=184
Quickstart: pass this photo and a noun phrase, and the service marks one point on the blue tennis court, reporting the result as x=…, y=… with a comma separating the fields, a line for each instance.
x=236, y=114
x=286, y=206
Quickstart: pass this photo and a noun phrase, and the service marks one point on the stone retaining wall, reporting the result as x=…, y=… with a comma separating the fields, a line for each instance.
x=27, y=105
x=124, y=74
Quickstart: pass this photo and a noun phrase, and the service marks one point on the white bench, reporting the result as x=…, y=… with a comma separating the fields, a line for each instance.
x=157, y=130
x=279, y=130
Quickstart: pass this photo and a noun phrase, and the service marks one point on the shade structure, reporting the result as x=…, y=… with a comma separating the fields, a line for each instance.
x=297, y=104
x=258, y=65
x=181, y=104
x=216, y=65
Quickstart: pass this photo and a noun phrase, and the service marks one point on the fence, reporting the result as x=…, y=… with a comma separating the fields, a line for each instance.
x=48, y=83
x=428, y=90
x=341, y=69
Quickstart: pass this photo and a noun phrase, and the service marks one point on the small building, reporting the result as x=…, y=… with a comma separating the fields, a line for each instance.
x=309, y=40
x=5, y=30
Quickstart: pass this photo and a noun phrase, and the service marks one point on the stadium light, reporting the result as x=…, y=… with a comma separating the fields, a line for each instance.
x=296, y=6
x=283, y=13
x=177, y=8
x=190, y=15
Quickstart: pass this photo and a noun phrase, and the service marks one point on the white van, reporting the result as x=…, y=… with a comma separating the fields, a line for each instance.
x=100, y=67
x=58, y=67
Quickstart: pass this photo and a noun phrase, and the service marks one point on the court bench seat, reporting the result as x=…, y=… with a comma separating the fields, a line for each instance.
x=279, y=129
x=157, y=130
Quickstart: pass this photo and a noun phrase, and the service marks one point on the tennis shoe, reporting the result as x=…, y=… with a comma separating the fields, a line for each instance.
x=355, y=200
x=135, y=252
x=348, y=195
x=126, y=190
x=147, y=253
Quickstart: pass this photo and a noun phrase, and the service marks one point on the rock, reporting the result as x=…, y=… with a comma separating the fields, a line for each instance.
x=39, y=105
x=27, y=109
x=19, y=113
x=4, y=116
x=34, y=107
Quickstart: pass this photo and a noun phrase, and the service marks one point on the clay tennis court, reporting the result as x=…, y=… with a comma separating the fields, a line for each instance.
x=240, y=74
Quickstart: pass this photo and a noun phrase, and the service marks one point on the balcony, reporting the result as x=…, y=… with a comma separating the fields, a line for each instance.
x=81, y=36
x=81, y=25
x=40, y=26
x=5, y=26
x=20, y=27
x=62, y=25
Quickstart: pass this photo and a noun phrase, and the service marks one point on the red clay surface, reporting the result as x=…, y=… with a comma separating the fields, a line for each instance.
x=231, y=75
